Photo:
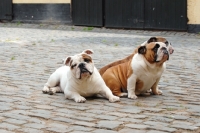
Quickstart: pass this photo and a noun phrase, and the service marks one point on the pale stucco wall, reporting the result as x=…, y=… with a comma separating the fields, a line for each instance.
x=193, y=12
x=41, y=1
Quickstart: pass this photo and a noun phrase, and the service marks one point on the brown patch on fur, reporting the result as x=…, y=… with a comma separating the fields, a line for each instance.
x=139, y=84
x=103, y=69
x=115, y=80
x=128, y=58
x=161, y=39
x=85, y=56
x=150, y=54
x=165, y=58
x=70, y=63
x=130, y=70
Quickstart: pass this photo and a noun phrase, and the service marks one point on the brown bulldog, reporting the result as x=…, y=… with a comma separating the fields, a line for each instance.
x=152, y=39
x=139, y=72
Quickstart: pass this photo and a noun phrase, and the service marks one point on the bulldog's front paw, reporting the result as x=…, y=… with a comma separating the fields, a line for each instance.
x=157, y=92
x=160, y=92
x=114, y=99
x=51, y=92
x=123, y=95
x=45, y=90
x=132, y=97
x=80, y=99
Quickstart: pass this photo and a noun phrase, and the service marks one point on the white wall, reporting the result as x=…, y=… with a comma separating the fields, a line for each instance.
x=193, y=12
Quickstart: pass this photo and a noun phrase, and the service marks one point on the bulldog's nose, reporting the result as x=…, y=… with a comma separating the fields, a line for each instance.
x=164, y=50
x=81, y=65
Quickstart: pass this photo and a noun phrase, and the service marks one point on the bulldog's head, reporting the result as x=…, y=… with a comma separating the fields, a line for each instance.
x=161, y=39
x=81, y=64
x=154, y=52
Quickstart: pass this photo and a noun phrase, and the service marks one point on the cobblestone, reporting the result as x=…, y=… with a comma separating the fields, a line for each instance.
x=30, y=53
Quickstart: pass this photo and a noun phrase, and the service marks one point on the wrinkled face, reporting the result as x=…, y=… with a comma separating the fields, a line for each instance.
x=161, y=39
x=154, y=52
x=81, y=64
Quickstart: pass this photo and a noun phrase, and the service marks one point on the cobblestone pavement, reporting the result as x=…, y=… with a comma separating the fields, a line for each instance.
x=29, y=53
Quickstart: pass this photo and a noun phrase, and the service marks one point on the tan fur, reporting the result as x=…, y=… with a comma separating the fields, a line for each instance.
x=115, y=80
x=128, y=58
x=85, y=56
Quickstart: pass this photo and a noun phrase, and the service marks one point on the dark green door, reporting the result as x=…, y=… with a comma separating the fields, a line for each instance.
x=87, y=12
x=165, y=14
x=6, y=10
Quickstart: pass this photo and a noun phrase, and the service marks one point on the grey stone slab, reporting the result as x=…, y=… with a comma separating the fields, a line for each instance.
x=58, y=130
x=14, y=121
x=108, y=124
x=81, y=128
x=154, y=110
x=176, y=122
x=134, y=111
x=130, y=130
x=183, y=126
x=106, y=117
x=132, y=120
x=180, y=117
x=36, y=120
x=34, y=125
x=5, y=108
x=16, y=116
x=63, y=119
x=44, y=116
x=8, y=126
x=78, y=132
x=103, y=131
x=137, y=126
x=155, y=131
x=163, y=128
x=153, y=123
x=29, y=130
x=5, y=131
x=95, y=111
x=82, y=123
x=162, y=119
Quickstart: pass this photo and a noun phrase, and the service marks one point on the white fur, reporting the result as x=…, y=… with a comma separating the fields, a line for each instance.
x=63, y=80
x=148, y=73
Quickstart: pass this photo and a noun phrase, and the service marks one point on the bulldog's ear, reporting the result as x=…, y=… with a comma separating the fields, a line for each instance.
x=88, y=51
x=152, y=39
x=142, y=50
x=67, y=61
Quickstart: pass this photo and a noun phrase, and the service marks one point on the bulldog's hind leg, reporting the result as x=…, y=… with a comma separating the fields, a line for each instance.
x=114, y=85
x=53, y=81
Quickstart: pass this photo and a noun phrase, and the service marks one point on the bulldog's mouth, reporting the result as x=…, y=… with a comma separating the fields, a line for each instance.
x=165, y=55
x=84, y=72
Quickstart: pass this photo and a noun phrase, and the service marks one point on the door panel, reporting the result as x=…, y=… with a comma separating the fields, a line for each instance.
x=6, y=10
x=124, y=13
x=87, y=12
x=166, y=14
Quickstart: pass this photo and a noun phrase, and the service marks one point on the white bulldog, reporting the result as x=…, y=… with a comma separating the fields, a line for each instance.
x=78, y=79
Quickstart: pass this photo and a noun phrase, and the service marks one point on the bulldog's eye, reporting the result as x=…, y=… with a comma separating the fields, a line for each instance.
x=167, y=43
x=87, y=60
x=73, y=65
